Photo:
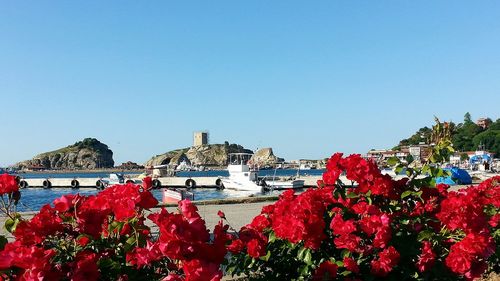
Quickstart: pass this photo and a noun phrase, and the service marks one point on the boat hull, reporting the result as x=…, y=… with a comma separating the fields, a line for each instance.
x=174, y=195
x=241, y=185
x=286, y=184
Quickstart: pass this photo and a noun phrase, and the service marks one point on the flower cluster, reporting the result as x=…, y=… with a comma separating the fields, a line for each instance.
x=8, y=184
x=107, y=237
x=378, y=227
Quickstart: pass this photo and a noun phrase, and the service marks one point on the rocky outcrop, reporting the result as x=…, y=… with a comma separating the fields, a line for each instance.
x=203, y=155
x=265, y=157
x=87, y=154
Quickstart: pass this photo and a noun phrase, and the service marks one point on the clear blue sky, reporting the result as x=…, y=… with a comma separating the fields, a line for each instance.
x=307, y=78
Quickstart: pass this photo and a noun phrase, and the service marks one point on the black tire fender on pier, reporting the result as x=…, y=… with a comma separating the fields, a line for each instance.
x=99, y=184
x=156, y=184
x=190, y=183
x=23, y=184
x=46, y=184
x=18, y=179
x=75, y=183
x=130, y=181
x=219, y=184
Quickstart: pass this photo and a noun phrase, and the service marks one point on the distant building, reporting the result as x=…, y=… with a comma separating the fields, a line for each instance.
x=382, y=155
x=483, y=122
x=200, y=138
x=420, y=152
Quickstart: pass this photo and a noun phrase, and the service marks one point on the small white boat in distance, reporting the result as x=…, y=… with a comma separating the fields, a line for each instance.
x=241, y=177
x=291, y=184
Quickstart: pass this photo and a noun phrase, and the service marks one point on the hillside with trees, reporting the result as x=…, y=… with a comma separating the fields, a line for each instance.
x=466, y=136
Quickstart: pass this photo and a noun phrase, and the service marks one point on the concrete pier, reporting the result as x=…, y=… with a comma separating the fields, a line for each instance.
x=200, y=182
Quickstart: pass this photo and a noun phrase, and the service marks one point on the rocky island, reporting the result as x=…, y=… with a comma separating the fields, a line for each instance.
x=211, y=155
x=86, y=154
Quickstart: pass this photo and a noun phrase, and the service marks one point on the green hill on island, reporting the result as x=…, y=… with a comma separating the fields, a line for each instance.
x=86, y=154
x=466, y=136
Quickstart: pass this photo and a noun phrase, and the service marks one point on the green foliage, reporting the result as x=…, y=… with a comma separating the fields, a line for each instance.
x=466, y=136
x=422, y=135
x=489, y=139
x=467, y=118
x=87, y=143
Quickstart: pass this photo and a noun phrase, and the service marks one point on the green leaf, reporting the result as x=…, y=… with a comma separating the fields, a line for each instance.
x=129, y=243
x=406, y=194
x=266, y=257
x=425, y=169
x=11, y=224
x=300, y=254
x=3, y=241
x=345, y=253
x=418, y=194
x=308, y=257
x=352, y=195
x=409, y=159
x=272, y=237
x=425, y=235
x=393, y=161
x=398, y=170
x=304, y=270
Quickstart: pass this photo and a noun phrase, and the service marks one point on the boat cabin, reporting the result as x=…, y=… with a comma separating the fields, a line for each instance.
x=239, y=166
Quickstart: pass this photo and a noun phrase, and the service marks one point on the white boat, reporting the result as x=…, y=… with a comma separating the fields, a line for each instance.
x=241, y=177
x=274, y=182
x=290, y=184
x=304, y=166
x=184, y=166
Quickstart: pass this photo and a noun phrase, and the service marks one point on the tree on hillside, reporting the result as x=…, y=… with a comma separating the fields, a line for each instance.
x=466, y=136
x=495, y=125
x=467, y=118
x=464, y=133
x=422, y=135
x=490, y=139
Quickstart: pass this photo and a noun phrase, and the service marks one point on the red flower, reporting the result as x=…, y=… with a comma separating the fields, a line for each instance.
x=173, y=277
x=147, y=200
x=8, y=184
x=256, y=248
x=387, y=260
x=347, y=241
x=141, y=257
x=43, y=224
x=260, y=223
x=147, y=183
x=83, y=241
x=341, y=227
x=236, y=246
x=326, y=271
x=85, y=268
x=382, y=237
x=200, y=270
x=65, y=202
x=426, y=258
x=351, y=265
x=221, y=214
x=333, y=169
x=472, y=248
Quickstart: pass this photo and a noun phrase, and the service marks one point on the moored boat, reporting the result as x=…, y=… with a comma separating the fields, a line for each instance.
x=175, y=195
x=241, y=177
